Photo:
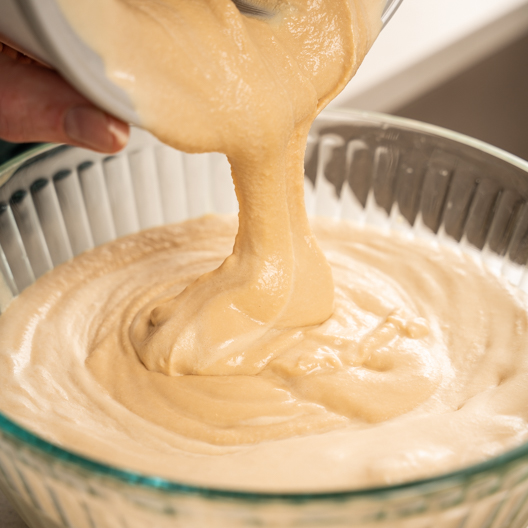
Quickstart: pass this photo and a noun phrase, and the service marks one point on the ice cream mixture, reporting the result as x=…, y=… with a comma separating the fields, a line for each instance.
x=421, y=368
x=175, y=353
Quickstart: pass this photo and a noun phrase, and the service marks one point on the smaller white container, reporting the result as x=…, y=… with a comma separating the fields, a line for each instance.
x=39, y=29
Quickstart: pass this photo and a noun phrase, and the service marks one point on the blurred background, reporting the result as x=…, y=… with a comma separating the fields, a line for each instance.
x=10, y=150
x=459, y=64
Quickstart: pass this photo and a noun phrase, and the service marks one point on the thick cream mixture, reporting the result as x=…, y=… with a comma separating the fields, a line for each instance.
x=421, y=368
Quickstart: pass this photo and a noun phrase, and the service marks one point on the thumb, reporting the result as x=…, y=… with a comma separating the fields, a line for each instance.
x=36, y=104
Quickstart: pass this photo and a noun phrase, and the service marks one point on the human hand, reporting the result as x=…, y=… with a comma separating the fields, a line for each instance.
x=37, y=104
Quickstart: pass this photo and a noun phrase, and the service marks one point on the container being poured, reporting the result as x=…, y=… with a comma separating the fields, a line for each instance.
x=39, y=29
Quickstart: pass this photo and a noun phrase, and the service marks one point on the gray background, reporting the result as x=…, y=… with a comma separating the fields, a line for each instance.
x=8, y=517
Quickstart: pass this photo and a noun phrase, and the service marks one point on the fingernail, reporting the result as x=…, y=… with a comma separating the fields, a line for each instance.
x=120, y=131
x=92, y=128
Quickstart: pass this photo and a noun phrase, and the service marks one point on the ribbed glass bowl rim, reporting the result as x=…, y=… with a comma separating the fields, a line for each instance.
x=9, y=427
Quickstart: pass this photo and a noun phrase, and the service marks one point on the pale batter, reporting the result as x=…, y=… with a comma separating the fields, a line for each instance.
x=255, y=375
x=422, y=368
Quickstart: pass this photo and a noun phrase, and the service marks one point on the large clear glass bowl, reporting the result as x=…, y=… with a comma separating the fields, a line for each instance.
x=56, y=202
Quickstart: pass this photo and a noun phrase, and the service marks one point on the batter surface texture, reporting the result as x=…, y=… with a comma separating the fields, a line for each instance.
x=421, y=368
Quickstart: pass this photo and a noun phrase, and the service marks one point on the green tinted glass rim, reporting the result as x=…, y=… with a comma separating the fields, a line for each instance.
x=10, y=167
x=497, y=464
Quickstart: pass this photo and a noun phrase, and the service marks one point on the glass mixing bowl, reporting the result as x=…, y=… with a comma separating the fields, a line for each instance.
x=56, y=202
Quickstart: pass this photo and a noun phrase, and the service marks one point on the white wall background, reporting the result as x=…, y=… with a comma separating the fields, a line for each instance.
x=426, y=43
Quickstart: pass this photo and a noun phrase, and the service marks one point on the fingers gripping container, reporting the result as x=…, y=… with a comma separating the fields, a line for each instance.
x=56, y=202
x=39, y=29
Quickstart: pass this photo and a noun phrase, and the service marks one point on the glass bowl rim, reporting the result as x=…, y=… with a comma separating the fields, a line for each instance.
x=32, y=441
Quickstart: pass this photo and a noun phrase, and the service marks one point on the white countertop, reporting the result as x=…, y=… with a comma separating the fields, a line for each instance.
x=426, y=43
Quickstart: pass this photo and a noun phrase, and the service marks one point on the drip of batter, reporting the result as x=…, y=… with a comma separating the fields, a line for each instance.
x=205, y=78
